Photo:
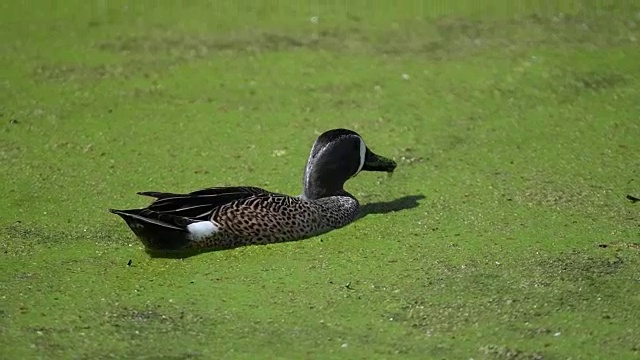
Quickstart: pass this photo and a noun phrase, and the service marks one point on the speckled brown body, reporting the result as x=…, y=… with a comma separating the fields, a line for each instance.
x=242, y=216
x=271, y=218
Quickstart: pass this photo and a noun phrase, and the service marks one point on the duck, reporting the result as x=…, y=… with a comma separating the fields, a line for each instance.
x=217, y=218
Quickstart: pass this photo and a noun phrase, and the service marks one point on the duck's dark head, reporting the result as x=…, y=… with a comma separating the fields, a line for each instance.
x=336, y=156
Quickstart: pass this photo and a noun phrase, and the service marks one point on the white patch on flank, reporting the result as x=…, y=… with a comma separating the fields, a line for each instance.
x=202, y=229
x=363, y=153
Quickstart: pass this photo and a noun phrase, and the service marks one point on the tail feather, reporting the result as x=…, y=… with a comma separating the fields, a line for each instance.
x=136, y=215
x=158, y=194
x=157, y=231
x=176, y=221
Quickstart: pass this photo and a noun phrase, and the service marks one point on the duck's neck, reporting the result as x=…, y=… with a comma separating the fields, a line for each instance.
x=320, y=184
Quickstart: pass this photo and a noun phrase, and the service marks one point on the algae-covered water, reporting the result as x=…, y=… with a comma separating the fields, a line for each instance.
x=504, y=233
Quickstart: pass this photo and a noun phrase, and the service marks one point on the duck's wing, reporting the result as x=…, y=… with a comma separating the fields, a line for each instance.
x=199, y=205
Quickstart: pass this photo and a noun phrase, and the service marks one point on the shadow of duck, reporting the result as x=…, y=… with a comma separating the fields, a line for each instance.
x=385, y=207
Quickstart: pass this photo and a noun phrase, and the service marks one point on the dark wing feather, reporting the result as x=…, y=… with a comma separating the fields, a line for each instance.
x=161, y=220
x=199, y=204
